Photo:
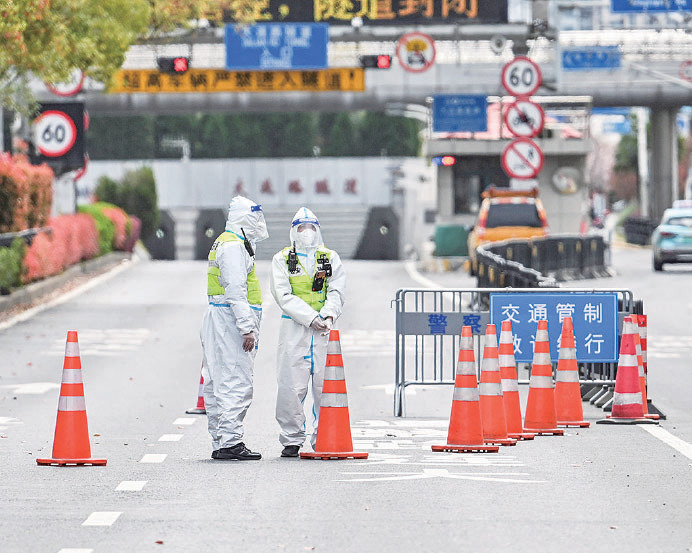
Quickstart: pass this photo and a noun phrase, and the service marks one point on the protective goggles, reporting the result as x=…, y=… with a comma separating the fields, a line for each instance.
x=257, y=207
x=308, y=220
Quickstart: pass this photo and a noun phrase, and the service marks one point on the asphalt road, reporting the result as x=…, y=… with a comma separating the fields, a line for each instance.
x=603, y=488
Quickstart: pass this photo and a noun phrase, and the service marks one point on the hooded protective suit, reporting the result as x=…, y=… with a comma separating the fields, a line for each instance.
x=232, y=322
x=302, y=348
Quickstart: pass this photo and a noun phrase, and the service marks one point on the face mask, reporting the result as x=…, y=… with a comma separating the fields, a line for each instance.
x=307, y=239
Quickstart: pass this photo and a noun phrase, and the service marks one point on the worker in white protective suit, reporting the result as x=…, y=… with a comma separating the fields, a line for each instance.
x=308, y=283
x=230, y=328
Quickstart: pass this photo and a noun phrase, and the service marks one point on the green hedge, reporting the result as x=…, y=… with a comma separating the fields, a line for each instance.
x=11, y=265
x=104, y=226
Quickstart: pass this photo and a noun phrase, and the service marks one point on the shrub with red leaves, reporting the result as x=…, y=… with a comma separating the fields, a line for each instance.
x=133, y=234
x=120, y=220
x=73, y=238
x=26, y=193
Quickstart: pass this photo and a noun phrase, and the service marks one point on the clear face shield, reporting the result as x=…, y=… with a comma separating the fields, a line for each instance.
x=305, y=231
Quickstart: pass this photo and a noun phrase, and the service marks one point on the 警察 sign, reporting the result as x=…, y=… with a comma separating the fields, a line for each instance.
x=594, y=318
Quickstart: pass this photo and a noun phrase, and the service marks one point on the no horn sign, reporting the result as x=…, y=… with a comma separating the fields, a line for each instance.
x=522, y=159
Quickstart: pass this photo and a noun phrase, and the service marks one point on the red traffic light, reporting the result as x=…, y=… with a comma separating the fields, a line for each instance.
x=178, y=64
x=447, y=161
x=384, y=62
x=379, y=61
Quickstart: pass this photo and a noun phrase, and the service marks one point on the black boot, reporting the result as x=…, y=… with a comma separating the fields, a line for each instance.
x=238, y=453
x=215, y=454
x=290, y=451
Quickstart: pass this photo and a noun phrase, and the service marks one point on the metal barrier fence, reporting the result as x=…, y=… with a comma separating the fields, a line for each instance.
x=426, y=352
x=540, y=262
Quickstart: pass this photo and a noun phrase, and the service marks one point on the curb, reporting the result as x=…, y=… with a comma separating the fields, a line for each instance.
x=35, y=290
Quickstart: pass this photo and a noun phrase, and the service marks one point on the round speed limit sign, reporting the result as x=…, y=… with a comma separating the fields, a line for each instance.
x=55, y=133
x=521, y=76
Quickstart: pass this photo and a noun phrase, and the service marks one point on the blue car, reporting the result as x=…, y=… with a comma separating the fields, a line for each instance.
x=672, y=239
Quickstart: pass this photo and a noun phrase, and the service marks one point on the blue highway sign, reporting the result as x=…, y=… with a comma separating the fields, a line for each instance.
x=594, y=317
x=269, y=46
x=460, y=113
x=650, y=6
x=591, y=58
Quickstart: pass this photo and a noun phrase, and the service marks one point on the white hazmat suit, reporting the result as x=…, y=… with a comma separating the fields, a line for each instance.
x=305, y=323
x=230, y=328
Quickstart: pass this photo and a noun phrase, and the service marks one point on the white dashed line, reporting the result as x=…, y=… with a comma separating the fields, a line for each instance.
x=153, y=458
x=33, y=388
x=63, y=550
x=667, y=438
x=131, y=486
x=170, y=438
x=102, y=518
x=184, y=421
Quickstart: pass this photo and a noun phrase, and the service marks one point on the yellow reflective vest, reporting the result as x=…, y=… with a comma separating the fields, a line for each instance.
x=214, y=288
x=301, y=284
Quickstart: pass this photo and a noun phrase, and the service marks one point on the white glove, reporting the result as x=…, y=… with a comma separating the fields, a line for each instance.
x=328, y=323
x=319, y=324
x=248, y=341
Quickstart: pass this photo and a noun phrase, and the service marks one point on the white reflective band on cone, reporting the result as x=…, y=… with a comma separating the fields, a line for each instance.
x=334, y=373
x=334, y=400
x=73, y=403
x=509, y=385
x=541, y=358
x=334, y=346
x=628, y=360
x=72, y=376
x=466, y=368
x=542, y=336
x=465, y=394
x=627, y=399
x=71, y=349
x=490, y=365
x=490, y=389
x=567, y=376
x=506, y=360
x=568, y=353
x=541, y=381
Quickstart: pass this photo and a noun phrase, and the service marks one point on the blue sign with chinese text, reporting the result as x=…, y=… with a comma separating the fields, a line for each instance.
x=650, y=6
x=460, y=113
x=591, y=58
x=594, y=318
x=270, y=46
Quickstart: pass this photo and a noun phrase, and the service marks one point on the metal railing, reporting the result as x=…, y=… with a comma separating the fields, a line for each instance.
x=427, y=356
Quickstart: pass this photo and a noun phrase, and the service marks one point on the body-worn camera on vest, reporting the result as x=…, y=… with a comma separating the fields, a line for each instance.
x=324, y=265
x=318, y=281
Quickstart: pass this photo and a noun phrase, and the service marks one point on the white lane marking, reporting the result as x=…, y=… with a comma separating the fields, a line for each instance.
x=170, y=437
x=184, y=421
x=438, y=473
x=388, y=389
x=63, y=550
x=667, y=438
x=32, y=387
x=102, y=518
x=420, y=279
x=439, y=459
x=93, y=283
x=131, y=486
x=9, y=420
x=103, y=342
x=153, y=458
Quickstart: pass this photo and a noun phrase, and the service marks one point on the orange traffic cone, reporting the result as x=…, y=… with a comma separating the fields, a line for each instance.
x=541, y=417
x=71, y=443
x=490, y=391
x=640, y=344
x=465, y=431
x=567, y=390
x=627, y=400
x=334, y=425
x=199, y=409
x=510, y=385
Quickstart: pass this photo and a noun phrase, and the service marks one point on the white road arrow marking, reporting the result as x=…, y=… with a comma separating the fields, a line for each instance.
x=440, y=473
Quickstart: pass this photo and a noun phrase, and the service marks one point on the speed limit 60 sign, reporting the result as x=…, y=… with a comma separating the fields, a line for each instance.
x=58, y=136
x=521, y=76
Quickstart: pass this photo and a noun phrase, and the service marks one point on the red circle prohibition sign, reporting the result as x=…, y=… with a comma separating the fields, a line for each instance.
x=71, y=137
x=522, y=159
x=519, y=120
x=402, y=44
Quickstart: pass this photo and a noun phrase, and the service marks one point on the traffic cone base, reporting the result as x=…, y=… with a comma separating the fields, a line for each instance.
x=575, y=424
x=466, y=448
x=72, y=462
x=332, y=455
x=501, y=441
x=549, y=432
x=522, y=435
x=196, y=411
x=620, y=420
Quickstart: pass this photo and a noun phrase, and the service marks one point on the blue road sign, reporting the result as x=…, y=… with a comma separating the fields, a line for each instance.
x=591, y=58
x=270, y=46
x=594, y=317
x=460, y=113
x=650, y=6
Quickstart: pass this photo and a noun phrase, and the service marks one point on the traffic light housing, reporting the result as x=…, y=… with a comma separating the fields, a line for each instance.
x=377, y=61
x=176, y=65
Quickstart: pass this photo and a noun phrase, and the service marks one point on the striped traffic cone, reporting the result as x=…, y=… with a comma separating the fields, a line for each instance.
x=71, y=443
x=640, y=343
x=627, y=399
x=199, y=409
x=465, y=430
x=334, y=425
x=510, y=385
x=541, y=417
x=567, y=390
x=490, y=391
